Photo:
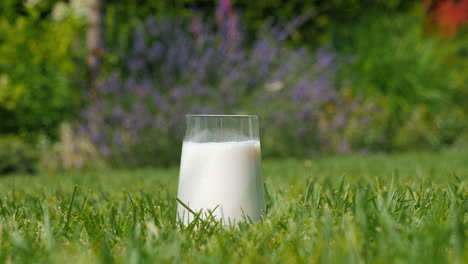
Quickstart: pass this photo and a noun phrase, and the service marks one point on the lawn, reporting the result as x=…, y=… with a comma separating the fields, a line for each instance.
x=399, y=208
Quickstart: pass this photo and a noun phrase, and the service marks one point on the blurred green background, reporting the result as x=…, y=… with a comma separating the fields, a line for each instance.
x=94, y=83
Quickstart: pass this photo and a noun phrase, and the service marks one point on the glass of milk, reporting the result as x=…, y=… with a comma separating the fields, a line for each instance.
x=220, y=170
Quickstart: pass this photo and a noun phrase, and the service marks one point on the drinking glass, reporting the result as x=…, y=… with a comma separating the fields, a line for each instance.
x=220, y=169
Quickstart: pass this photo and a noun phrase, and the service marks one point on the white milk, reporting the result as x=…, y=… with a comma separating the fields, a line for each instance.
x=227, y=174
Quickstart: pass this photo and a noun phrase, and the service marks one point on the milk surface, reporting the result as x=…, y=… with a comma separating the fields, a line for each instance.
x=227, y=175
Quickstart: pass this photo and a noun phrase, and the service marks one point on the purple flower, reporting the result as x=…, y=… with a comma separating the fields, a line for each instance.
x=135, y=64
x=139, y=110
x=112, y=85
x=117, y=112
x=232, y=26
x=130, y=84
x=158, y=123
x=299, y=91
x=139, y=45
x=104, y=150
x=320, y=91
x=177, y=93
x=325, y=58
x=156, y=51
x=199, y=89
x=160, y=102
x=223, y=10
x=196, y=26
x=151, y=26
x=143, y=89
x=118, y=139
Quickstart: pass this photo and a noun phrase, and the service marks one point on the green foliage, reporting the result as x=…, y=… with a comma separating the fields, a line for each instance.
x=254, y=14
x=367, y=127
x=36, y=71
x=16, y=156
x=401, y=70
x=422, y=128
x=393, y=58
x=407, y=208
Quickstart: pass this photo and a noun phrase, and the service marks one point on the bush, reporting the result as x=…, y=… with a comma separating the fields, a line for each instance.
x=16, y=156
x=423, y=129
x=36, y=72
x=414, y=78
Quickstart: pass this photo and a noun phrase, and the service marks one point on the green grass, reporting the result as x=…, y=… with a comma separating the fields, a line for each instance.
x=405, y=208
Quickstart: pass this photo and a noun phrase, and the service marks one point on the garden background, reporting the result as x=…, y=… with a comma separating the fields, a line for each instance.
x=86, y=84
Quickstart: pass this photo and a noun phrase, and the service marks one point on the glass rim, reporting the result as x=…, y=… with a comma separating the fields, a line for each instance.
x=237, y=116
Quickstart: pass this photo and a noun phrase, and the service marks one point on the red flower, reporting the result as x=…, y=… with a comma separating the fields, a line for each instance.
x=450, y=15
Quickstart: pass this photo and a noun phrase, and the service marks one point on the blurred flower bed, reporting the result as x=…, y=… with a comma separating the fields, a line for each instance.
x=172, y=69
x=379, y=83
